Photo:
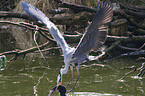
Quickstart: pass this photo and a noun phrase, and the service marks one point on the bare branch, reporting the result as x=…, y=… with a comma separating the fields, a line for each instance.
x=21, y=52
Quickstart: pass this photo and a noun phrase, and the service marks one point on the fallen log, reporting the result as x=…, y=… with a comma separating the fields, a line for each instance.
x=138, y=7
x=76, y=38
x=76, y=19
x=5, y=14
x=130, y=7
x=124, y=39
x=76, y=8
x=130, y=21
x=139, y=32
x=23, y=52
x=139, y=15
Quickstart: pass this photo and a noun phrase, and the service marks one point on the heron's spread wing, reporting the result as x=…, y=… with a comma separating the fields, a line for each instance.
x=41, y=17
x=95, y=34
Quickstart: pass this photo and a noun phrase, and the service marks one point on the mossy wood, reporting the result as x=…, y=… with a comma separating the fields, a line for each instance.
x=119, y=27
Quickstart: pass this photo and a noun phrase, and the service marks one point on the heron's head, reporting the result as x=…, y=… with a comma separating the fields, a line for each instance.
x=61, y=89
x=59, y=78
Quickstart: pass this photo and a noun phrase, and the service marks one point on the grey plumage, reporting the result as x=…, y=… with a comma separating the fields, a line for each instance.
x=93, y=38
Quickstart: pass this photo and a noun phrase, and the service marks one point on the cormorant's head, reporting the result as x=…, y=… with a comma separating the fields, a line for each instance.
x=61, y=89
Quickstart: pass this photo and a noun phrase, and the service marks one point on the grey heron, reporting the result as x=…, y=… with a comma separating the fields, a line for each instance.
x=93, y=38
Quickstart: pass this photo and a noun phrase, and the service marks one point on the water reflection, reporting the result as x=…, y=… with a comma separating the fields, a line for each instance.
x=21, y=77
x=91, y=94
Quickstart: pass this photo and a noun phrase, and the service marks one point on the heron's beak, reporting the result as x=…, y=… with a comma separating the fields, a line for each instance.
x=58, y=85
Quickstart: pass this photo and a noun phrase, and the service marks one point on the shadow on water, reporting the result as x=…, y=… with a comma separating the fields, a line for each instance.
x=20, y=78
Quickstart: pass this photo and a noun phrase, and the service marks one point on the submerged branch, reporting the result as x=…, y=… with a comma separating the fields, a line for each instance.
x=141, y=69
x=128, y=73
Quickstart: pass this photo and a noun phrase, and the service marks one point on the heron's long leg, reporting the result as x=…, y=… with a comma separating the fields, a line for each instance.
x=71, y=68
x=77, y=67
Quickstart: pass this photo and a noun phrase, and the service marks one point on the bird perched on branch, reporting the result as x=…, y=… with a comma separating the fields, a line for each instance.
x=93, y=38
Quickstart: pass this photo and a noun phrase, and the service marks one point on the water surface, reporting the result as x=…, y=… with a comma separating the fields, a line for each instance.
x=23, y=77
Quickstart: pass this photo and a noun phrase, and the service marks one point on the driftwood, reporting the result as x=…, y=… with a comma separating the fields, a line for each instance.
x=78, y=15
x=73, y=19
x=141, y=69
x=119, y=27
x=139, y=31
x=130, y=21
x=80, y=18
x=139, y=15
x=136, y=31
x=127, y=48
x=130, y=7
x=76, y=38
x=125, y=39
x=136, y=52
x=24, y=52
x=66, y=20
x=6, y=14
x=76, y=8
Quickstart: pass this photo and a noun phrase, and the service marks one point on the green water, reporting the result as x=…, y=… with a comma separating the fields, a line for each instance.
x=20, y=78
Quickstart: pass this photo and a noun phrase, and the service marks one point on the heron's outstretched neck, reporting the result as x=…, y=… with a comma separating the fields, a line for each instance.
x=62, y=71
x=65, y=69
